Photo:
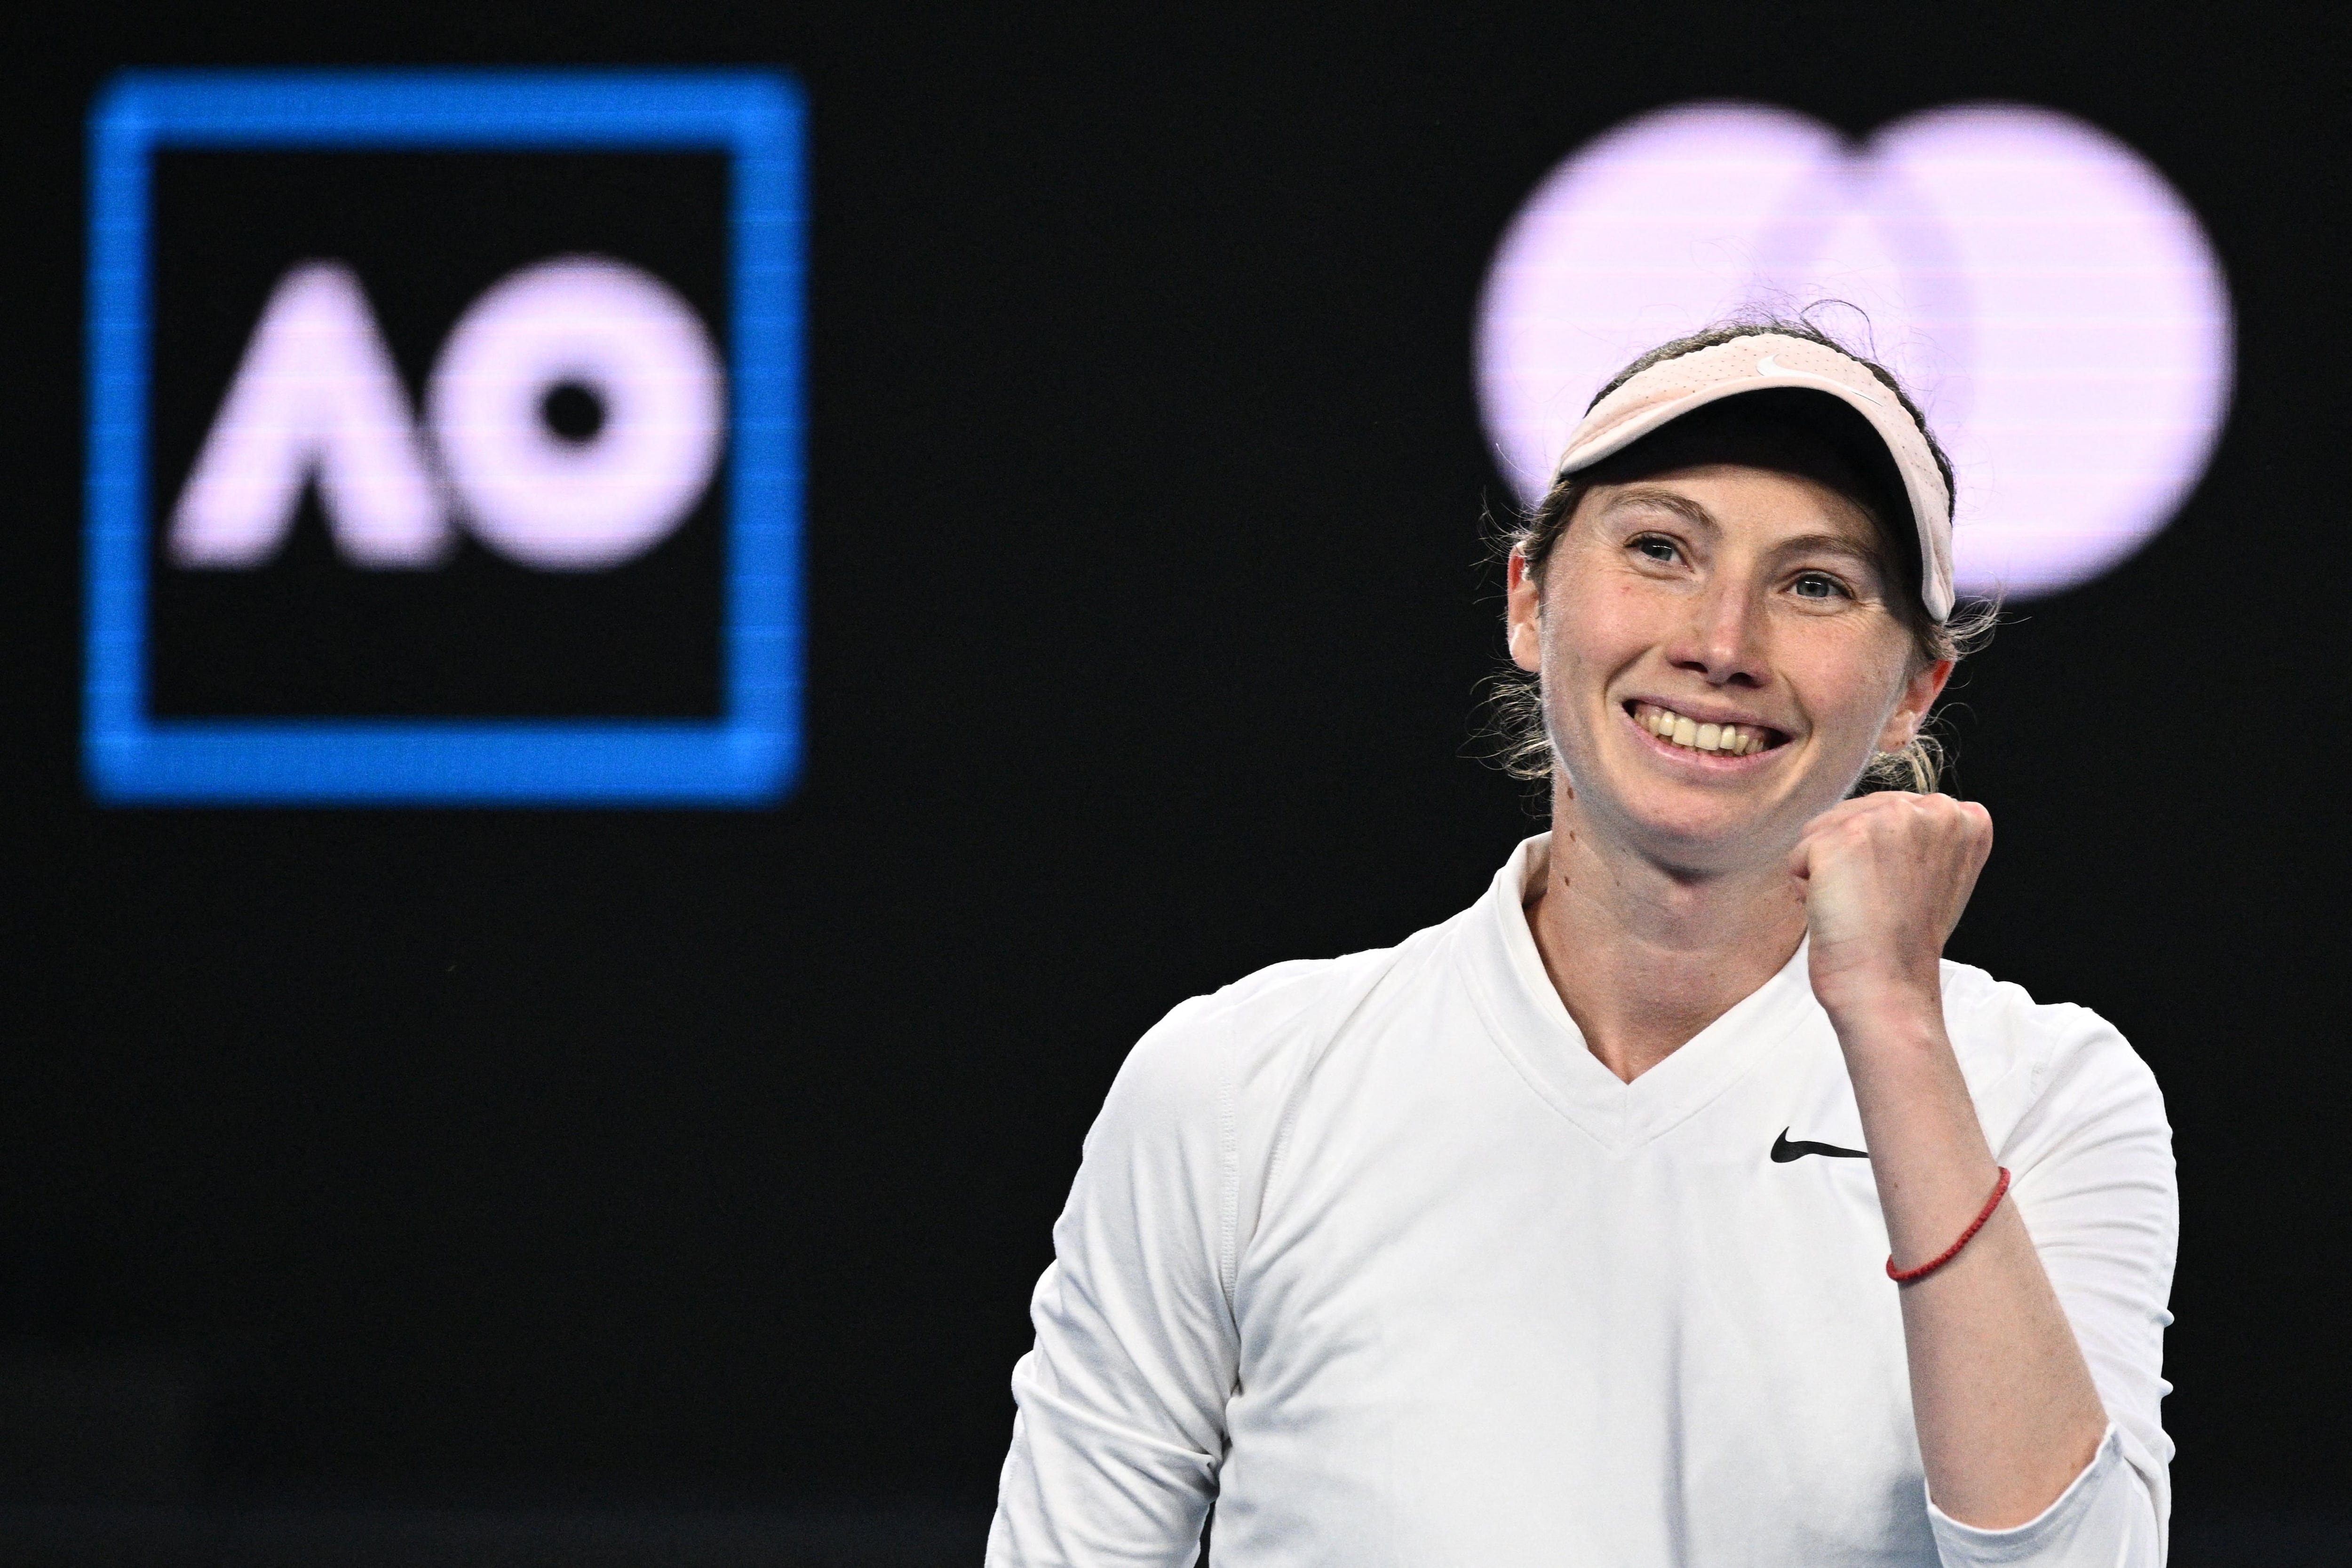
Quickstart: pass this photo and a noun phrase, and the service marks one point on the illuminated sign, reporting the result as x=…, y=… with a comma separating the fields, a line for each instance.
x=2044, y=289
x=444, y=438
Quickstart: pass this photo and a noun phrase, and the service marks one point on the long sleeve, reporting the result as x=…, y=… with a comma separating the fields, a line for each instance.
x=2095, y=1188
x=1122, y=1402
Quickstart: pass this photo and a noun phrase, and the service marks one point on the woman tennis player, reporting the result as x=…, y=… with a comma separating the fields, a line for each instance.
x=1676, y=1203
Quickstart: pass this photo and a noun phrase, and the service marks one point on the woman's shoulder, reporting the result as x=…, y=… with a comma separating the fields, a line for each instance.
x=2042, y=1061
x=1246, y=1041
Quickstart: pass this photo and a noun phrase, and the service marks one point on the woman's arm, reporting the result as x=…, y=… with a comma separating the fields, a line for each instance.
x=1120, y=1430
x=2008, y=1413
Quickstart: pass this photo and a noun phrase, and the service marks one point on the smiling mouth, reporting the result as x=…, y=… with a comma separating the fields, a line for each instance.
x=1715, y=739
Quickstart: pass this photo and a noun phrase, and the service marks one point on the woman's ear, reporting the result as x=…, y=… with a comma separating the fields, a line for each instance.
x=1919, y=695
x=1523, y=614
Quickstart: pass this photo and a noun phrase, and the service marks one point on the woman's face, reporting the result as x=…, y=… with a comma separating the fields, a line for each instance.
x=1720, y=655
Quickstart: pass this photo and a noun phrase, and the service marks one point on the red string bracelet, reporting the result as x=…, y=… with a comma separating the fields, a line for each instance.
x=1905, y=1276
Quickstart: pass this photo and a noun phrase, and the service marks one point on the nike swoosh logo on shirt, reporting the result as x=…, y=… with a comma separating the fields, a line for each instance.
x=1783, y=1150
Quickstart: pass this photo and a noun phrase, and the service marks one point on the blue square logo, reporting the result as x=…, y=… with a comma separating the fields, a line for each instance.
x=444, y=438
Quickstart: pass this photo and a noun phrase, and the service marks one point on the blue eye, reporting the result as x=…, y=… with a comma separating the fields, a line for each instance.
x=1818, y=585
x=1656, y=547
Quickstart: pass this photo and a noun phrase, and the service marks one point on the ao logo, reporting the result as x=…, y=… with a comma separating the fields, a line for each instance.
x=2045, y=291
x=317, y=399
x=563, y=319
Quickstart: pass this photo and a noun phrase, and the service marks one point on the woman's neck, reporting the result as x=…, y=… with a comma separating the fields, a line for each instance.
x=1644, y=956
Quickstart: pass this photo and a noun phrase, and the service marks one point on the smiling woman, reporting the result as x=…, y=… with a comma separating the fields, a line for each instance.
x=1534, y=1239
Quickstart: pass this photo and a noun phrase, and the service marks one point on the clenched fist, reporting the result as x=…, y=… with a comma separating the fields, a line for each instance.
x=1886, y=878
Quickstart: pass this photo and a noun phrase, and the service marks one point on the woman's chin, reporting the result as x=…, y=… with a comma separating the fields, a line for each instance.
x=1709, y=832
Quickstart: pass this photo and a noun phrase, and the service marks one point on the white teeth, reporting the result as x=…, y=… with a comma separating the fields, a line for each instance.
x=1724, y=739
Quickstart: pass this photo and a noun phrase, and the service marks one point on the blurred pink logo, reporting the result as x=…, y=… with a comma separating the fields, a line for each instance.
x=317, y=399
x=2045, y=292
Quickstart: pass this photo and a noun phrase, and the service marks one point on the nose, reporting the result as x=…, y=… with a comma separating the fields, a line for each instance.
x=1722, y=642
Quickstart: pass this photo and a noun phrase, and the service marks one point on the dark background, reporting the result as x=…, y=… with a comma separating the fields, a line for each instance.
x=706, y=1159
x=426, y=233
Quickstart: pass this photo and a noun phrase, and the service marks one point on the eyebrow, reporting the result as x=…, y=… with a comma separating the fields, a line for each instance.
x=1665, y=500
x=1836, y=543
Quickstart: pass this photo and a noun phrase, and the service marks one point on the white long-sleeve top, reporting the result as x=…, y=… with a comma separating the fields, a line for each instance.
x=1376, y=1255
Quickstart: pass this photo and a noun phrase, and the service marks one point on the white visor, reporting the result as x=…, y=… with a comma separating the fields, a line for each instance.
x=1760, y=363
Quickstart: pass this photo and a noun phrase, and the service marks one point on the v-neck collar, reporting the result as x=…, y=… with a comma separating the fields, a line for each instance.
x=1531, y=1026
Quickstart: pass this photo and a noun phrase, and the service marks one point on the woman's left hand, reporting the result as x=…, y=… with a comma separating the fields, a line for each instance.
x=1885, y=877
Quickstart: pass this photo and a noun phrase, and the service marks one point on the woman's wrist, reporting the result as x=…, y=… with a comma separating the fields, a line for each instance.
x=1894, y=1013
